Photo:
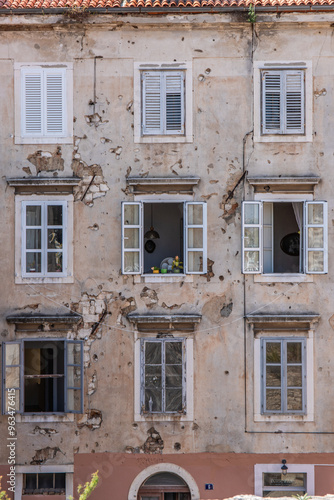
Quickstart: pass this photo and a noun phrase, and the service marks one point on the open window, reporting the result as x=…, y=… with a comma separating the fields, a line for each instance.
x=46, y=376
x=155, y=233
x=285, y=237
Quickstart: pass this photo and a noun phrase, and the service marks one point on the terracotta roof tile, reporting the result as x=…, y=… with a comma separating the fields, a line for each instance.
x=153, y=4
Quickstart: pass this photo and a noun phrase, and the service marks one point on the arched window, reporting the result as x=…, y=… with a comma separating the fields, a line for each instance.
x=164, y=486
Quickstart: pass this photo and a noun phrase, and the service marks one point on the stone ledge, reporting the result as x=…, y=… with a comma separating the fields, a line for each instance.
x=165, y=322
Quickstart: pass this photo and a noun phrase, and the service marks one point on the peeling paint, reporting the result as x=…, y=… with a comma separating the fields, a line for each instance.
x=47, y=162
x=43, y=455
x=91, y=419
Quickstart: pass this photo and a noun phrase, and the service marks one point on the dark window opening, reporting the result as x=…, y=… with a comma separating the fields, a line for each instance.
x=44, y=484
x=164, y=486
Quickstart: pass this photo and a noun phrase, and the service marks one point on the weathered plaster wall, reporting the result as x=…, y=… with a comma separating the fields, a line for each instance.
x=103, y=154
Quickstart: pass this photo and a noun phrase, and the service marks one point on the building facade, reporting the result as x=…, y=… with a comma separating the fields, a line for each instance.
x=188, y=139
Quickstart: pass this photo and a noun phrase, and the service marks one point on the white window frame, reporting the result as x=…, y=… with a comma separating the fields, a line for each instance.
x=260, y=225
x=307, y=415
x=260, y=469
x=20, y=470
x=166, y=137
x=19, y=391
x=283, y=66
x=21, y=276
x=186, y=226
x=188, y=375
x=64, y=69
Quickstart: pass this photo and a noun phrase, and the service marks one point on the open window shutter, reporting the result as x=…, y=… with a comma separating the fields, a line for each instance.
x=74, y=376
x=31, y=103
x=195, y=237
x=316, y=238
x=252, y=237
x=174, y=85
x=131, y=237
x=294, y=102
x=272, y=102
x=152, y=102
x=11, y=376
x=54, y=81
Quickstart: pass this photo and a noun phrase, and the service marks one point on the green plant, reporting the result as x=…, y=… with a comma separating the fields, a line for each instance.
x=3, y=494
x=177, y=264
x=155, y=268
x=251, y=17
x=302, y=497
x=86, y=489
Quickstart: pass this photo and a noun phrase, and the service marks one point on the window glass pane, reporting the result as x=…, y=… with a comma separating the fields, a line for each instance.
x=294, y=399
x=195, y=214
x=173, y=399
x=153, y=399
x=273, y=352
x=153, y=376
x=131, y=262
x=291, y=479
x=195, y=262
x=60, y=480
x=294, y=352
x=273, y=376
x=252, y=261
x=31, y=481
x=33, y=215
x=131, y=215
x=294, y=376
x=251, y=213
x=33, y=262
x=55, y=215
x=273, y=399
x=315, y=213
x=251, y=238
x=33, y=239
x=55, y=262
x=45, y=481
x=131, y=238
x=165, y=479
x=173, y=352
x=195, y=238
x=12, y=354
x=174, y=376
x=12, y=377
x=153, y=353
x=315, y=237
x=315, y=261
x=55, y=238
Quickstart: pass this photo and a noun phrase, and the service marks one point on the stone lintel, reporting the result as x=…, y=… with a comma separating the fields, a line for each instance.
x=165, y=323
x=182, y=184
x=281, y=184
x=43, y=184
x=282, y=321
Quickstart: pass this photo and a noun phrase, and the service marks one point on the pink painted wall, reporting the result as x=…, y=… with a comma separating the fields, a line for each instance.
x=4, y=470
x=231, y=474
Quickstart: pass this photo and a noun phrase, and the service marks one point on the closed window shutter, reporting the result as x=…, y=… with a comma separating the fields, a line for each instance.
x=54, y=83
x=294, y=102
x=174, y=103
x=152, y=105
x=32, y=103
x=271, y=102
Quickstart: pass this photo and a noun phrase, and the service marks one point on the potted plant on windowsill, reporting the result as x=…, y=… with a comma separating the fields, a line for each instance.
x=177, y=265
x=155, y=270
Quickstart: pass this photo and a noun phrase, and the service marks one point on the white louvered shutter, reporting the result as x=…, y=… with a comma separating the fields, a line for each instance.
x=272, y=102
x=174, y=83
x=54, y=82
x=294, y=102
x=32, y=103
x=152, y=102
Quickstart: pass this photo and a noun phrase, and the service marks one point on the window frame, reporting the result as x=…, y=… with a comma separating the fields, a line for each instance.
x=188, y=374
x=20, y=470
x=183, y=136
x=260, y=469
x=305, y=244
x=186, y=226
x=66, y=276
x=283, y=341
x=163, y=342
x=21, y=366
x=43, y=69
x=283, y=66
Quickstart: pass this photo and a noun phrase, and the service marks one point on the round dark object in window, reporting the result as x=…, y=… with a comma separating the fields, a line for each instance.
x=290, y=244
x=150, y=246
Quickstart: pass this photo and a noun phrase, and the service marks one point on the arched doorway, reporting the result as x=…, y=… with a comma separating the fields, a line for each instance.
x=164, y=486
x=180, y=483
